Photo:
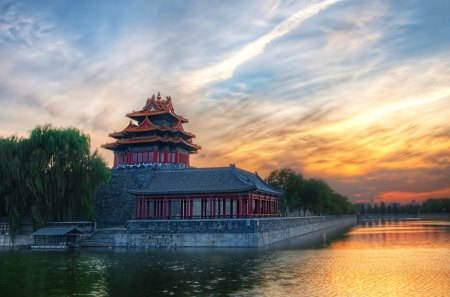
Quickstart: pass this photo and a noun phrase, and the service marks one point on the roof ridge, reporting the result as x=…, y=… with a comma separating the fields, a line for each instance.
x=267, y=184
x=193, y=169
x=247, y=181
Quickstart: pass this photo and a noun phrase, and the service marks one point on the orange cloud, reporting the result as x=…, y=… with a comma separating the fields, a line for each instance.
x=405, y=197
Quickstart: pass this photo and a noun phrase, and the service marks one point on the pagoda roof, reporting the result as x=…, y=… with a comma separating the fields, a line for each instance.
x=156, y=106
x=147, y=125
x=151, y=139
x=204, y=180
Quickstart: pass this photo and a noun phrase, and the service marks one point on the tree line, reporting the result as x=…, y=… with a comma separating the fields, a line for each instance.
x=51, y=175
x=302, y=195
x=432, y=205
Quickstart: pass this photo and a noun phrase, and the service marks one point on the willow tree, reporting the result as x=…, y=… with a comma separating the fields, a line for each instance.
x=52, y=175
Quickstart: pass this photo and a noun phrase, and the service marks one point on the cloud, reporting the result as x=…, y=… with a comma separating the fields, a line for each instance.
x=225, y=69
x=344, y=99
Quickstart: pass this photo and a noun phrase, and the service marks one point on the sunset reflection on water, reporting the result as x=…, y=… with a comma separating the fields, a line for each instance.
x=397, y=258
x=403, y=258
x=392, y=259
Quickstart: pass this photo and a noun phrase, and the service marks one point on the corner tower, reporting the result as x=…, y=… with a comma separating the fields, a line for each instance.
x=155, y=135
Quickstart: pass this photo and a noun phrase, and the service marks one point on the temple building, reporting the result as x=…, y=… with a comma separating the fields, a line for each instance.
x=155, y=137
x=152, y=177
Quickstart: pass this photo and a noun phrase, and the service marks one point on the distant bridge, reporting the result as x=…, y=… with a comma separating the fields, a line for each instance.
x=361, y=218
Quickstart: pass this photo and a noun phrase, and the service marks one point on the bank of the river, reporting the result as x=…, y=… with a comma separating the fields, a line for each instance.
x=201, y=233
x=213, y=233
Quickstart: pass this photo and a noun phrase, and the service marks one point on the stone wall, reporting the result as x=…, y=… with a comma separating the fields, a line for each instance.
x=20, y=240
x=222, y=225
x=214, y=233
x=113, y=204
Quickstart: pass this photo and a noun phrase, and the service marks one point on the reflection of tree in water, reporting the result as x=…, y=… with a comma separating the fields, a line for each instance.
x=152, y=272
x=182, y=272
x=50, y=273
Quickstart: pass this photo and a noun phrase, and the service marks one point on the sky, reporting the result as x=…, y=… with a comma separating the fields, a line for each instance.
x=354, y=92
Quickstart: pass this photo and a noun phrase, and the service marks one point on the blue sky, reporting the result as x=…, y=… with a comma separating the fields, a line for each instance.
x=354, y=92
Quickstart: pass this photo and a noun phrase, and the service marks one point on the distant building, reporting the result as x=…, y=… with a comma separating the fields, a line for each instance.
x=152, y=177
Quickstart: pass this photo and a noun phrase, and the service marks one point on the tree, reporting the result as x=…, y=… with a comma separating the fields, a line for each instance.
x=314, y=195
x=291, y=183
x=50, y=176
x=382, y=208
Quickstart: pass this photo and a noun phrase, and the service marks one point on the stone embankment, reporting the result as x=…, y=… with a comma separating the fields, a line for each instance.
x=213, y=233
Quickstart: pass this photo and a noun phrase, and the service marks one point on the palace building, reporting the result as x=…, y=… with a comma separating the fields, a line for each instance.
x=152, y=177
x=156, y=137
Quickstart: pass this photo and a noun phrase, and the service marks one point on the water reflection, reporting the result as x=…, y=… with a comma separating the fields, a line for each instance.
x=383, y=259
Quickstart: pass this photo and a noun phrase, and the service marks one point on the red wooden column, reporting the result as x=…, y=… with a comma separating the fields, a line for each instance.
x=249, y=205
x=263, y=206
x=240, y=206
x=182, y=208
x=201, y=208
x=188, y=207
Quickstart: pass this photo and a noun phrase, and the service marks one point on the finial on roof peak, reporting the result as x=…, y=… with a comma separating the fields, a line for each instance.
x=159, y=96
x=232, y=165
x=153, y=96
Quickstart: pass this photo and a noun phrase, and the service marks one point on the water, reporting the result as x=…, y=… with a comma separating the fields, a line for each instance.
x=391, y=259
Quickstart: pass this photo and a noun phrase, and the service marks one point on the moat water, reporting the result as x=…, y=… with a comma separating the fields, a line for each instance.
x=410, y=258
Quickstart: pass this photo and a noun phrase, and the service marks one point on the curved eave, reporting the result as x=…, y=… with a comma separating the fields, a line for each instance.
x=205, y=191
x=123, y=142
x=137, y=129
x=143, y=113
x=117, y=135
x=110, y=146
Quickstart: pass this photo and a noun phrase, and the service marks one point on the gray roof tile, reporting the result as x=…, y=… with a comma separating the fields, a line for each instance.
x=57, y=231
x=204, y=180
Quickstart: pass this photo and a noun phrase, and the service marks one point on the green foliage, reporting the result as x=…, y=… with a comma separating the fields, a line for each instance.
x=436, y=205
x=49, y=176
x=432, y=205
x=307, y=194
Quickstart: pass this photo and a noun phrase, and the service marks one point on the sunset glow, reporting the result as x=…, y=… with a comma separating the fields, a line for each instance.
x=354, y=92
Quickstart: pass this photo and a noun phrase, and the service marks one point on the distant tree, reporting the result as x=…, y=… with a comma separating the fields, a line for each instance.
x=313, y=194
x=382, y=208
x=51, y=175
x=292, y=185
x=376, y=209
x=436, y=205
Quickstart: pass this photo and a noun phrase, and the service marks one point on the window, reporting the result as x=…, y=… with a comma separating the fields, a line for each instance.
x=150, y=156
